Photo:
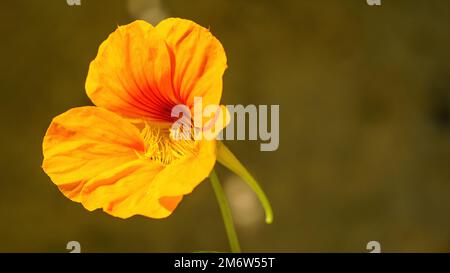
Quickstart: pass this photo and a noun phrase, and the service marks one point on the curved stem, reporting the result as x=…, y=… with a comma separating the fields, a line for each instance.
x=229, y=160
x=226, y=213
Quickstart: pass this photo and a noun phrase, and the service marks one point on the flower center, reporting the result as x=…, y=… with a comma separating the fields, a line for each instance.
x=161, y=146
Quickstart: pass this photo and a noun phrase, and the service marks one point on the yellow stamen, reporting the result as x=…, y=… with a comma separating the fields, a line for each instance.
x=161, y=146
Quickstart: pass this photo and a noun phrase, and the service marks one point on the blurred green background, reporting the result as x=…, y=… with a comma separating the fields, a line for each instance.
x=364, y=95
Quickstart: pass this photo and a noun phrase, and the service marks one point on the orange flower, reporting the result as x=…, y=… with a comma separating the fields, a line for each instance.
x=119, y=154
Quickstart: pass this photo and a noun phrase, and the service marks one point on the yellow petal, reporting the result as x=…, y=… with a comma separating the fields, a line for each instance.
x=84, y=142
x=184, y=174
x=128, y=190
x=199, y=60
x=132, y=74
x=97, y=158
x=147, y=187
x=142, y=71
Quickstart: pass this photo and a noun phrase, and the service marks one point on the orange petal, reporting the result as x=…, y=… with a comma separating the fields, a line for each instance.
x=143, y=72
x=170, y=203
x=129, y=190
x=85, y=142
x=95, y=157
x=146, y=187
x=183, y=175
x=131, y=74
x=198, y=59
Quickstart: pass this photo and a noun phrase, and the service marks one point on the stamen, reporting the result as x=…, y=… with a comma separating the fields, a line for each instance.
x=163, y=147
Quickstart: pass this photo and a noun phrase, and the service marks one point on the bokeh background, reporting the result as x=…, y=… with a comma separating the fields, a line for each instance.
x=364, y=95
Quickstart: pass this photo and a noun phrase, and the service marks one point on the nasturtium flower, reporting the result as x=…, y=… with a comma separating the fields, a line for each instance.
x=119, y=154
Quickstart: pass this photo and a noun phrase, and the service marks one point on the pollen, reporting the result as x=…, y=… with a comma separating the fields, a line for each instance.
x=161, y=145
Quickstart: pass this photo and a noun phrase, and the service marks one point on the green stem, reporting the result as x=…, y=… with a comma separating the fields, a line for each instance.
x=229, y=160
x=226, y=213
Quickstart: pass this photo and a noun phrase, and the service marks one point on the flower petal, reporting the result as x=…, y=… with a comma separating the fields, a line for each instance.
x=183, y=175
x=145, y=187
x=198, y=59
x=131, y=74
x=95, y=157
x=128, y=190
x=143, y=72
x=85, y=142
